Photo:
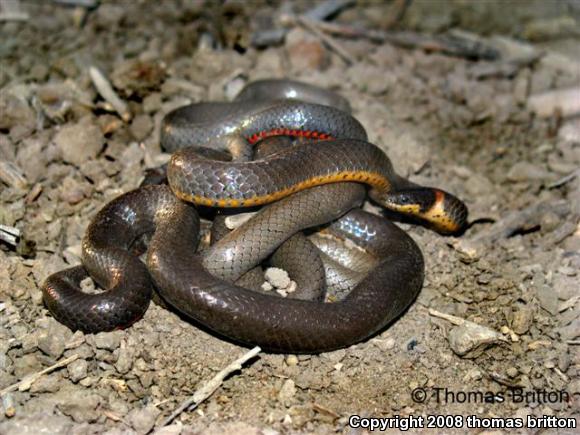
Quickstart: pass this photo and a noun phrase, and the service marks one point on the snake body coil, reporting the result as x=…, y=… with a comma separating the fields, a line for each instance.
x=312, y=182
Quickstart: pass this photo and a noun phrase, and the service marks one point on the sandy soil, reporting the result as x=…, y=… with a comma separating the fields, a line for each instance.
x=442, y=122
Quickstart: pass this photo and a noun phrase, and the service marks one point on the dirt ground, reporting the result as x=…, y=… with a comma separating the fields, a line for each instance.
x=471, y=127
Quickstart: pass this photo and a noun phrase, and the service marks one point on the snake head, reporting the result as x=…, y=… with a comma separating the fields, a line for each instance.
x=436, y=208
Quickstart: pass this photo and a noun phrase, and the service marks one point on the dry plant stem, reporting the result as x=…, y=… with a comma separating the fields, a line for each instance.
x=563, y=101
x=12, y=175
x=311, y=26
x=9, y=235
x=522, y=219
x=450, y=318
x=450, y=45
x=328, y=8
x=565, y=179
x=25, y=383
x=106, y=91
x=210, y=387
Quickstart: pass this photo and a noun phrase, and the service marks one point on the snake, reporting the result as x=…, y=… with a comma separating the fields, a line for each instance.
x=322, y=179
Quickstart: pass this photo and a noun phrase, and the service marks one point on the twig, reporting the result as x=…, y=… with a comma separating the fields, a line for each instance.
x=10, y=235
x=447, y=44
x=312, y=26
x=520, y=220
x=565, y=179
x=566, y=101
x=25, y=383
x=89, y=4
x=106, y=91
x=327, y=9
x=450, y=318
x=568, y=303
x=573, y=342
x=262, y=38
x=12, y=175
x=268, y=37
x=210, y=387
x=505, y=69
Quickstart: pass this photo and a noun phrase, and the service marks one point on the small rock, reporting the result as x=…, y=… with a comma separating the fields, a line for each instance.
x=80, y=142
x=470, y=339
x=15, y=112
x=291, y=360
x=522, y=320
x=26, y=365
x=526, y=171
x=71, y=191
x=47, y=384
x=277, y=277
x=77, y=370
x=79, y=405
x=152, y=102
x=41, y=423
x=141, y=127
x=282, y=292
x=287, y=392
x=266, y=286
x=384, y=344
x=564, y=361
x=372, y=79
x=512, y=372
x=547, y=298
x=565, y=287
x=124, y=360
x=142, y=420
x=31, y=159
x=52, y=338
x=172, y=429
x=135, y=77
x=291, y=287
x=571, y=331
x=305, y=52
x=108, y=340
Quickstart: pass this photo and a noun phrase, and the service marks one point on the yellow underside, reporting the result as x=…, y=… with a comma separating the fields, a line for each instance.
x=436, y=214
x=372, y=179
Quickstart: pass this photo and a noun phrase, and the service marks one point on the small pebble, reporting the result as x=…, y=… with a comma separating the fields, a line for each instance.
x=143, y=420
x=52, y=339
x=108, y=340
x=305, y=52
x=277, y=277
x=80, y=142
x=287, y=392
x=172, y=429
x=512, y=372
x=266, y=286
x=525, y=171
x=522, y=320
x=77, y=370
x=292, y=360
x=141, y=127
x=124, y=360
x=470, y=339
